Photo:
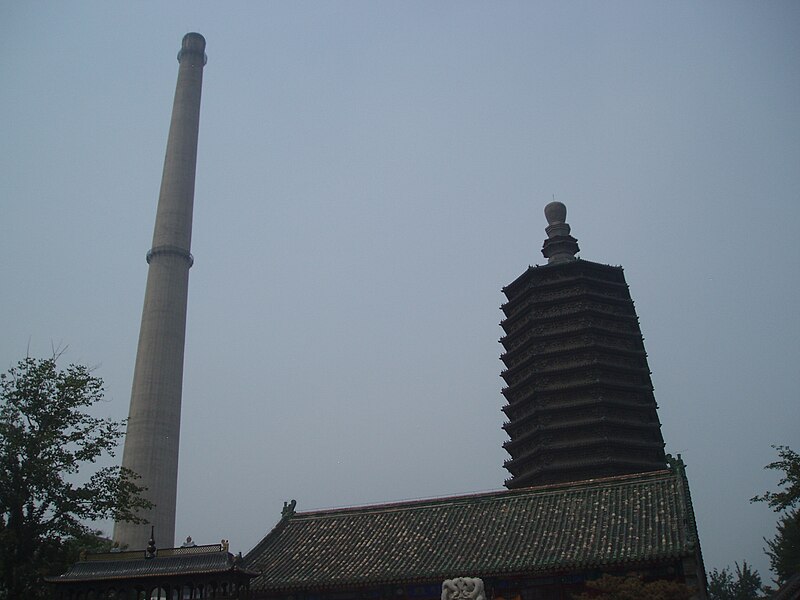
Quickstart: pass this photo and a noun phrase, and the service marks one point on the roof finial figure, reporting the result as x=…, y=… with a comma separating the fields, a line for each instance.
x=288, y=509
x=559, y=246
x=151, y=550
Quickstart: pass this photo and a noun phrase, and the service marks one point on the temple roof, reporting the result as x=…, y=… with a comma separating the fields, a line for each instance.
x=134, y=565
x=622, y=520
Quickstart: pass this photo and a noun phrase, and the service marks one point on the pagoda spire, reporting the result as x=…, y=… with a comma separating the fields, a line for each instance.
x=559, y=246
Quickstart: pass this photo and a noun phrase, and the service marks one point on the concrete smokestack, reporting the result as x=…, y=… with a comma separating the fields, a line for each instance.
x=151, y=442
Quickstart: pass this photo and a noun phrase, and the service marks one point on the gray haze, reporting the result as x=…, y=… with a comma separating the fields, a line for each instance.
x=370, y=175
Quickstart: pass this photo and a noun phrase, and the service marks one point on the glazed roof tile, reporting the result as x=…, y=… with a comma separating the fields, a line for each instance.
x=134, y=565
x=539, y=530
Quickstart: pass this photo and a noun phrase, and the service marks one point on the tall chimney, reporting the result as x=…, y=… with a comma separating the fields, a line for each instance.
x=151, y=442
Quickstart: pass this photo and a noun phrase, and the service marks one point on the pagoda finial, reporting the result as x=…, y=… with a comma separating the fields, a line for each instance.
x=559, y=246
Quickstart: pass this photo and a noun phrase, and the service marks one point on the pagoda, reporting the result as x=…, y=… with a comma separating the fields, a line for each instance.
x=580, y=401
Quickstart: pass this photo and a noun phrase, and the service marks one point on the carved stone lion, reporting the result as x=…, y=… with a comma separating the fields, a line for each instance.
x=463, y=588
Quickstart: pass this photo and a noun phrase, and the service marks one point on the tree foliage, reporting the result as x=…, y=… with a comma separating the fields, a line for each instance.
x=46, y=440
x=789, y=463
x=609, y=587
x=784, y=549
x=722, y=585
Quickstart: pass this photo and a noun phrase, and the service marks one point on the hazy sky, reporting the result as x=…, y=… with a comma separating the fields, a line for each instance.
x=370, y=175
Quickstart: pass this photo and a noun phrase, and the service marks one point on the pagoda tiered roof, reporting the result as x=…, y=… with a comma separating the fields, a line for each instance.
x=580, y=398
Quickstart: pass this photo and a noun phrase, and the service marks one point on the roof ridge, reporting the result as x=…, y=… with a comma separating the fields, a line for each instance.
x=123, y=555
x=488, y=495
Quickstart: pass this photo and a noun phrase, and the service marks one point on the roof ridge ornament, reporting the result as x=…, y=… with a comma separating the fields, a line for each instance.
x=559, y=246
x=676, y=464
x=151, y=550
x=288, y=509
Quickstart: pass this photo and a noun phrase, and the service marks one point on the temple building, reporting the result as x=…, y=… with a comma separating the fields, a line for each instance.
x=536, y=543
x=183, y=573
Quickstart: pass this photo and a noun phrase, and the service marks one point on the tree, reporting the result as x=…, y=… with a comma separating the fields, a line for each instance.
x=46, y=440
x=721, y=585
x=784, y=549
x=609, y=587
x=746, y=585
x=789, y=463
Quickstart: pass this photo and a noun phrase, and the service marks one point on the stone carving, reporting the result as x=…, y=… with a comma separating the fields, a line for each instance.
x=463, y=588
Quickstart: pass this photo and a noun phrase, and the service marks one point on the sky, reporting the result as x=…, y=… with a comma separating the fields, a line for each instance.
x=370, y=175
